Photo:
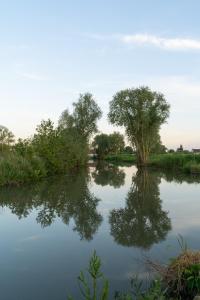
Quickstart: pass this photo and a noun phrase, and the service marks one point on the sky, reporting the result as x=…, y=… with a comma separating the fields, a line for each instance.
x=53, y=50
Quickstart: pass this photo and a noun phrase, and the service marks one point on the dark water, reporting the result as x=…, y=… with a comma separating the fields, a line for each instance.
x=48, y=231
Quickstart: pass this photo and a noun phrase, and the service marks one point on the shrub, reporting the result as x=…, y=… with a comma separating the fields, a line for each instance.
x=182, y=275
x=15, y=169
x=95, y=274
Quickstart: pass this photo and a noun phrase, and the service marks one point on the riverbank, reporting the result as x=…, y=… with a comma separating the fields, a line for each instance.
x=16, y=169
x=177, y=280
x=181, y=162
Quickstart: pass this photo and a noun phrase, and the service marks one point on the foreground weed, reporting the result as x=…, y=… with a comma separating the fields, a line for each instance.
x=89, y=289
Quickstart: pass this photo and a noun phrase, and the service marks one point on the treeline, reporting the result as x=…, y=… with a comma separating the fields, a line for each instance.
x=55, y=149
x=52, y=149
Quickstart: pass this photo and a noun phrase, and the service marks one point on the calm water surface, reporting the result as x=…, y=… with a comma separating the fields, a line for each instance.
x=48, y=231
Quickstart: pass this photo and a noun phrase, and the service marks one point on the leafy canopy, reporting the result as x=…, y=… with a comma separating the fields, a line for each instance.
x=141, y=112
x=84, y=117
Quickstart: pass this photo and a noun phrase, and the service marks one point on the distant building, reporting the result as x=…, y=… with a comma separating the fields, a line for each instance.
x=196, y=150
x=180, y=149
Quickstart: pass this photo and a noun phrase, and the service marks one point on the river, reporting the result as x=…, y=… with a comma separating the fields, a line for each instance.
x=49, y=230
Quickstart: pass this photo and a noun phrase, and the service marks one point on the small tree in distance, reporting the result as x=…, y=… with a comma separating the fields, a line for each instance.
x=108, y=143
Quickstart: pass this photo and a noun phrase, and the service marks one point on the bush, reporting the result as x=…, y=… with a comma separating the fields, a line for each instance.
x=15, y=169
x=182, y=276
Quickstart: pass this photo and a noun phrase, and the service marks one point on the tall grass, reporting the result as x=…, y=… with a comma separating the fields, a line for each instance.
x=188, y=163
x=185, y=162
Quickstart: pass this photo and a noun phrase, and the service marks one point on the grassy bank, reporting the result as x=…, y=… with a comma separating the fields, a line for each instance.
x=187, y=163
x=123, y=157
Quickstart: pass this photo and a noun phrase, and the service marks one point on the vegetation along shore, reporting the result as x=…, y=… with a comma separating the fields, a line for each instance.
x=66, y=146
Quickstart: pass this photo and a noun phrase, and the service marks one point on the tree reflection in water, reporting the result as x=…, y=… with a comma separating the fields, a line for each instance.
x=66, y=197
x=108, y=174
x=142, y=222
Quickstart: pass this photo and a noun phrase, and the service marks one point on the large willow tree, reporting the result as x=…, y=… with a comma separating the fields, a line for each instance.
x=141, y=112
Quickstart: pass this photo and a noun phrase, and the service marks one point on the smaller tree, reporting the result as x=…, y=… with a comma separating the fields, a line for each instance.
x=66, y=120
x=6, y=138
x=171, y=151
x=84, y=117
x=101, y=145
x=128, y=150
x=116, y=142
x=24, y=147
x=157, y=146
x=105, y=144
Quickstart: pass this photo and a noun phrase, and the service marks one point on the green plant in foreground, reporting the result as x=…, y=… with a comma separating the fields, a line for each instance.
x=90, y=291
x=192, y=276
x=154, y=292
x=95, y=273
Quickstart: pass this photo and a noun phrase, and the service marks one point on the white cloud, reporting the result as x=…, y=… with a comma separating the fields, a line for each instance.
x=176, y=43
x=165, y=43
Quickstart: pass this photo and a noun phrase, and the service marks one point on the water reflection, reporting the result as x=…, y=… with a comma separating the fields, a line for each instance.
x=107, y=174
x=142, y=222
x=179, y=177
x=67, y=197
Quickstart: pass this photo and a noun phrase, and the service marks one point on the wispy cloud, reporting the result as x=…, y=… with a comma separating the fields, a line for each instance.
x=161, y=42
x=177, y=43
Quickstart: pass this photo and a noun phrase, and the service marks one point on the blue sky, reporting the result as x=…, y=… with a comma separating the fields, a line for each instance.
x=51, y=51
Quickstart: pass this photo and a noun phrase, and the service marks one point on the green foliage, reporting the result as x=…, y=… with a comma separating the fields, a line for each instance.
x=116, y=142
x=89, y=289
x=184, y=276
x=6, y=138
x=188, y=163
x=94, y=270
x=15, y=169
x=24, y=147
x=105, y=144
x=192, y=277
x=84, y=117
x=157, y=147
x=61, y=149
x=153, y=292
x=101, y=145
x=52, y=150
x=128, y=150
x=122, y=157
x=141, y=112
x=192, y=167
